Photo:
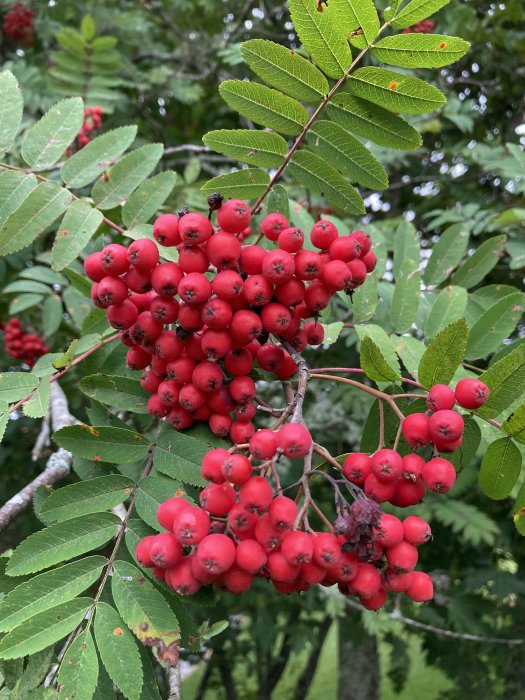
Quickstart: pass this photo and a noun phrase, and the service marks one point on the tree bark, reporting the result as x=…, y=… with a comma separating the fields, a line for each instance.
x=359, y=673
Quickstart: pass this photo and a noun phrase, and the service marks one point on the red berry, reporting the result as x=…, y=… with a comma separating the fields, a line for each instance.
x=323, y=234
x=168, y=392
x=142, y=552
x=236, y=468
x=256, y=494
x=194, y=289
x=143, y=254
x=370, y=261
x=207, y=376
x=343, y=248
x=439, y=475
x=312, y=573
x=238, y=362
x=298, y=548
x=181, y=578
x=345, y=569
x=408, y=493
x=416, y=429
x=440, y=397
x=380, y=491
x=307, y=265
x=402, y=557
x=150, y=381
x=93, y=267
x=327, y=550
x=137, y=358
x=139, y=282
x=237, y=580
x=194, y=228
x=272, y=225
x=240, y=520
x=282, y=513
x=181, y=369
x=263, y=444
x=167, y=511
x=317, y=297
x=367, y=582
x=164, y=309
x=413, y=466
x=193, y=259
x=276, y=318
x=165, y=278
x=280, y=569
x=390, y=531
x=114, y=259
x=270, y=357
x=357, y=269
x=227, y=285
x=234, y=216
x=223, y=250
x=112, y=291
x=251, y=259
x=216, y=553
x=165, y=551
x=397, y=583
x=446, y=426
x=278, y=266
x=241, y=431
x=357, y=467
x=250, y=556
x=245, y=326
x=122, y=316
x=471, y=393
x=386, y=465
x=156, y=408
x=421, y=587
x=314, y=333
x=416, y=530
x=294, y=440
x=217, y=499
x=336, y=276
x=291, y=240
x=191, y=525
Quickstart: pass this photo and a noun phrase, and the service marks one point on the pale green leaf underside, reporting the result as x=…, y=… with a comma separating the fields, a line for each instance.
x=405, y=300
x=419, y=50
x=15, y=385
x=262, y=148
x=495, y=325
x=14, y=188
x=38, y=404
x=242, y=184
x=120, y=392
x=446, y=254
x=11, y=109
x=76, y=230
x=478, y=265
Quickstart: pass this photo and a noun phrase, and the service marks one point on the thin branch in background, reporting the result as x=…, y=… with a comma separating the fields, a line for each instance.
x=174, y=682
x=42, y=440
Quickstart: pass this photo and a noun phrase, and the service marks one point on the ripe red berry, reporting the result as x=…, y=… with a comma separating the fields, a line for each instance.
x=471, y=393
x=421, y=587
x=93, y=267
x=139, y=282
x=122, y=316
x=236, y=468
x=416, y=429
x=150, y=381
x=307, y=265
x=238, y=362
x=314, y=333
x=181, y=369
x=386, y=465
x=194, y=228
x=242, y=389
x=408, y=493
x=439, y=475
x=217, y=499
x=165, y=551
x=402, y=557
x=370, y=261
x=317, y=297
x=440, y=397
x=270, y=357
x=446, y=426
x=280, y=569
x=194, y=289
x=390, y=531
x=256, y=494
x=143, y=254
x=236, y=580
x=416, y=530
x=137, y=358
x=251, y=259
x=193, y=259
x=312, y=574
x=376, y=601
x=114, y=259
x=207, y=376
x=227, y=285
x=234, y=216
x=142, y=551
x=336, y=276
x=294, y=440
x=278, y=266
x=367, y=582
x=327, y=550
x=257, y=290
x=165, y=278
x=168, y=392
x=241, y=431
x=343, y=248
x=357, y=269
x=397, y=583
x=413, y=467
x=167, y=511
x=282, y=513
x=245, y=326
x=272, y=225
x=380, y=491
x=263, y=444
x=164, y=309
x=223, y=250
x=241, y=521
x=216, y=553
x=357, y=467
x=323, y=234
x=166, y=230
x=182, y=579
x=112, y=291
x=191, y=525
x=291, y=240
x=250, y=556
x=298, y=548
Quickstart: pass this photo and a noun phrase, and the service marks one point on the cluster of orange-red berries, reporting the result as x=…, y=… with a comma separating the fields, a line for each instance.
x=22, y=345
x=19, y=23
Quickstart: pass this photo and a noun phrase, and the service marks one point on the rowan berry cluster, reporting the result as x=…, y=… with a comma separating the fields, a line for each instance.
x=24, y=346
x=426, y=26
x=243, y=530
x=403, y=481
x=197, y=327
x=92, y=123
x=19, y=23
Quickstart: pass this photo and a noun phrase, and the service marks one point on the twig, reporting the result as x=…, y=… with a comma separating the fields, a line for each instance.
x=174, y=682
x=357, y=370
x=300, y=393
x=42, y=440
x=381, y=424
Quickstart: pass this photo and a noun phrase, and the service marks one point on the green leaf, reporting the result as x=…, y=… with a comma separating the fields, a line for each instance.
x=87, y=27
x=4, y=420
x=78, y=672
x=250, y=146
x=102, y=444
x=316, y=174
x=322, y=36
x=49, y=589
x=301, y=217
x=410, y=351
x=264, y=106
x=14, y=188
x=44, y=629
x=148, y=199
x=415, y=11
x=395, y=91
x=495, y=325
x=347, y=154
x=11, y=108
x=93, y=496
x=446, y=254
x=120, y=392
x=405, y=301
x=56, y=544
x=145, y=610
x=514, y=426
x=47, y=140
x=38, y=404
x=406, y=246
x=500, y=468
x=370, y=435
x=364, y=16
x=38, y=210
x=332, y=331
x=449, y=306
x=444, y=354
x=179, y=455
x=516, y=250
x=382, y=340
x=373, y=122
x=24, y=302
x=66, y=358
x=419, y=50
x=26, y=286
x=244, y=184
x=477, y=266
x=51, y=314
x=87, y=164
x=277, y=201
x=152, y=491
x=285, y=70
x=122, y=179
x=505, y=379
x=118, y=651
x=364, y=301
x=76, y=230
x=16, y=385
x=374, y=364
x=462, y=457
x=474, y=525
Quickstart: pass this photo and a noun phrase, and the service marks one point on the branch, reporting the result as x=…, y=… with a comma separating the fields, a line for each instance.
x=42, y=440
x=297, y=415
x=174, y=682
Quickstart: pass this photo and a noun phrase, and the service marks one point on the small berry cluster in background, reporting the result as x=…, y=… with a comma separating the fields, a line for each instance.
x=426, y=26
x=198, y=326
x=21, y=345
x=19, y=24
x=92, y=123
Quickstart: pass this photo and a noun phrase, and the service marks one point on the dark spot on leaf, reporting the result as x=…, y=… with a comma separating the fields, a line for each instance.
x=118, y=631
x=140, y=579
x=144, y=626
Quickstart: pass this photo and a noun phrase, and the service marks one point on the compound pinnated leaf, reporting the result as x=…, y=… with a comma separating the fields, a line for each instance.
x=415, y=11
x=364, y=301
x=118, y=651
x=92, y=496
x=11, y=108
x=500, y=468
x=49, y=589
x=243, y=184
x=361, y=15
x=102, y=444
x=444, y=354
x=278, y=201
x=14, y=188
x=120, y=392
x=57, y=543
x=374, y=364
x=51, y=314
x=372, y=122
x=316, y=174
x=38, y=404
x=38, y=210
x=44, y=629
x=120, y=180
x=474, y=525
x=449, y=306
x=26, y=286
x=406, y=246
x=477, y=266
x=47, y=140
x=285, y=70
x=419, y=50
x=395, y=91
x=515, y=425
x=16, y=385
x=145, y=611
x=78, y=672
x=446, y=254
x=148, y=198
x=322, y=36
x=76, y=230
x=179, y=455
x=250, y=146
x=264, y=106
x=23, y=302
x=410, y=351
x=347, y=154
x=152, y=491
x=505, y=379
x=87, y=164
x=495, y=325
x=382, y=340
x=405, y=300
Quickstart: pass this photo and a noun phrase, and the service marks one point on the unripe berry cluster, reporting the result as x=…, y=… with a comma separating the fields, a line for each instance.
x=19, y=23
x=198, y=326
x=426, y=26
x=243, y=530
x=24, y=346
